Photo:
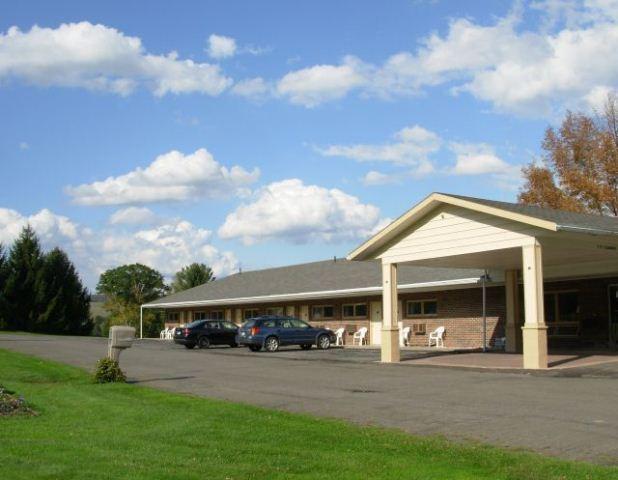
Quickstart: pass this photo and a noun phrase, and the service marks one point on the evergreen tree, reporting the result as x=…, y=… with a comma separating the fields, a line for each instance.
x=3, y=277
x=64, y=301
x=24, y=263
x=192, y=276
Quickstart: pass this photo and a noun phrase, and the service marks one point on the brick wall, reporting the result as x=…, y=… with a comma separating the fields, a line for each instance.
x=459, y=311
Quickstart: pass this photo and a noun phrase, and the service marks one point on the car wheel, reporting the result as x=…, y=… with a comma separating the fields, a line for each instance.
x=271, y=344
x=203, y=342
x=189, y=347
x=323, y=342
x=255, y=348
x=307, y=346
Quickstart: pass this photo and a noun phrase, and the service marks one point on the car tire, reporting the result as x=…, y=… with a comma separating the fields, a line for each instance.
x=255, y=348
x=306, y=346
x=189, y=347
x=271, y=344
x=323, y=342
x=203, y=343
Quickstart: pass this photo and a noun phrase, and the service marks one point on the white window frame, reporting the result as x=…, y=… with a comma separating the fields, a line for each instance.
x=354, y=305
x=422, y=301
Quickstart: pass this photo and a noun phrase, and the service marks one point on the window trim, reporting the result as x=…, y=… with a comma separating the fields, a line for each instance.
x=354, y=305
x=422, y=301
x=222, y=312
x=323, y=317
x=200, y=312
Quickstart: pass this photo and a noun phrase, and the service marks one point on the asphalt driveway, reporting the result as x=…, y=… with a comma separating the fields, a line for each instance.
x=570, y=414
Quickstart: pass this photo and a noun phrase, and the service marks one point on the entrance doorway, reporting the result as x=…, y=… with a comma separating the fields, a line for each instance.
x=375, y=333
x=613, y=315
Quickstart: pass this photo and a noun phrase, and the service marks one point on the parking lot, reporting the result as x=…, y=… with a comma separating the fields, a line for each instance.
x=568, y=413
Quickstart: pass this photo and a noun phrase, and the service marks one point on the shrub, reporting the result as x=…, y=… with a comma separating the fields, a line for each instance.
x=108, y=371
x=11, y=404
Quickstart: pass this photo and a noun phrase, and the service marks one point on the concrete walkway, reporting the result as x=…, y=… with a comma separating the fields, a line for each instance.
x=568, y=415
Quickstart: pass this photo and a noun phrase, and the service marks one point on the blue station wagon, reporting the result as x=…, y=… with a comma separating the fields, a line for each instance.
x=271, y=332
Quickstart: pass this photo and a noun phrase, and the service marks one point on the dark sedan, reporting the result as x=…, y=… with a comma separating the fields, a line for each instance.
x=204, y=333
x=271, y=332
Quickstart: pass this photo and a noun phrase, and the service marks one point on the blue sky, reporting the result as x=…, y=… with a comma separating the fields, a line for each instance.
x=298, y=128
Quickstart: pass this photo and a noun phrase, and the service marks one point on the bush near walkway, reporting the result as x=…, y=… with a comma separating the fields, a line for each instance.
x=123, y=431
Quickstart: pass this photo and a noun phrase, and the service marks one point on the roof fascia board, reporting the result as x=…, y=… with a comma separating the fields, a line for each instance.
x=314, y=295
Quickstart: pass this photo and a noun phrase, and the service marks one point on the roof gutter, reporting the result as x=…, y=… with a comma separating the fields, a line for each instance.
x=590, y=231
x=313, y=295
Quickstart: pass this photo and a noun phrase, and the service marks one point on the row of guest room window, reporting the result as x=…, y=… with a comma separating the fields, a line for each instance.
x=414, y=308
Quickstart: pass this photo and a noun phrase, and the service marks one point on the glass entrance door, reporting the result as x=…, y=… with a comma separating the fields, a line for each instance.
x=613, y=315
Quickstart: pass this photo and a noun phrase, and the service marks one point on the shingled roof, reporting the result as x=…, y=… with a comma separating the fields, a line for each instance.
x=586, y=222
x=322, y=278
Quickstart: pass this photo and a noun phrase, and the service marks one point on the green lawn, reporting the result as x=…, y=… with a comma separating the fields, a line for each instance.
x=122, y=431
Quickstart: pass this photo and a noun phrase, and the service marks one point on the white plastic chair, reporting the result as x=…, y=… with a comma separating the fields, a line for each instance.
x=163, y=334
x=339, y=334
x=404, y=341
x=170, y=334
x=361, y=336
x=437, y=336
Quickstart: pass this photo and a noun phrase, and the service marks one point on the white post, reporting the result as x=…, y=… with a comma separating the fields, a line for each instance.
x=534, y=329
x=141, y=321
x=390, y=307
x=513, y=336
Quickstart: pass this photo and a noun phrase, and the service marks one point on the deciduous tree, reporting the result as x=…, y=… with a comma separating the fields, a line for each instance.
x=126, y=288
x=580, y=171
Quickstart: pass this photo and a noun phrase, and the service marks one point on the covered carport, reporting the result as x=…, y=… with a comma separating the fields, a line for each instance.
x=529, y=244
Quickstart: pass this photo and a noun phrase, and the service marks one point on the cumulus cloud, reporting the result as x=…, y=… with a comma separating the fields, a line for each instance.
x=167, y=247
x=172, y=176
x=133, y=216
x=412, y=147
x=481, y=159
x=516, y=68
x=220, y=46
x=252, y=88
x=299, y=213
x=373, y=178
x=97, y=57
x=321, y=83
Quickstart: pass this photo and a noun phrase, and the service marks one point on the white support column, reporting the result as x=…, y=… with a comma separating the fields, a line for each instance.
x=141, y=321
x=390, y=316
x=534, y=329
x=511, y=330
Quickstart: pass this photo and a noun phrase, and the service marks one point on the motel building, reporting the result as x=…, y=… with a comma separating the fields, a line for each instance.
x=494, y=274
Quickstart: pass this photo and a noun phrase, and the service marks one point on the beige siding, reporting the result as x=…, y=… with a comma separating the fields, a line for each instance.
x=457, y=231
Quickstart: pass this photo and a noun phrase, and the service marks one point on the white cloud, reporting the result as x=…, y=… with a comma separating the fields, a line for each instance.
x=133, y=216
x=412, y=147
x=374, y=178
x=516, y=68
x=481, y=159
x=220, y=46
x=172, y=176
x=166, y=247
x=97, y=57
x=252, y=88
x=299, y=213
x=321, y=83
x=24, y=146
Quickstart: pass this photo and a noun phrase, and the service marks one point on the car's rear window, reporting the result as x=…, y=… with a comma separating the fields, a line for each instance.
x=249, y=324
x=196, y=323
